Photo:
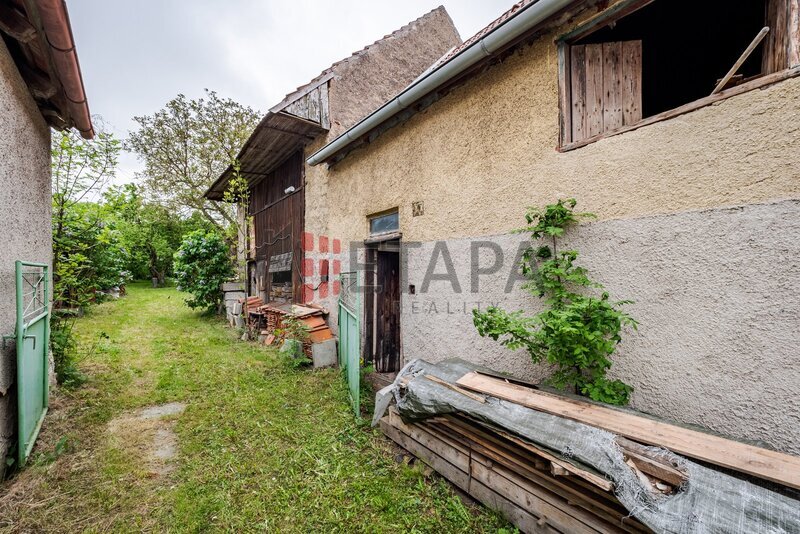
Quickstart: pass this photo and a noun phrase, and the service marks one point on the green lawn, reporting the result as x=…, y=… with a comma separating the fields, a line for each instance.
x=260, y=446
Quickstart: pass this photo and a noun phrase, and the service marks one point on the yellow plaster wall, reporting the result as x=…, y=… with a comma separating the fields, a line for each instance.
x=481, y=155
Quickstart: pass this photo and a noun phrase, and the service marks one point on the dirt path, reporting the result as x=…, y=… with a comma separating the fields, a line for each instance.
x=180, y=427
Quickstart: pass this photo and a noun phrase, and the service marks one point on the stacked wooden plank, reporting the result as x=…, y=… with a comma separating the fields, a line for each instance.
x=533, y=488
x=541, y=491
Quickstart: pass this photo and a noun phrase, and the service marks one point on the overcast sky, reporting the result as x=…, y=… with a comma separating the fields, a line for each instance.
x=137, y=55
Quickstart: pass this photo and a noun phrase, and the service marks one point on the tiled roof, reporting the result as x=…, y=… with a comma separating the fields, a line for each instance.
x=499, y=21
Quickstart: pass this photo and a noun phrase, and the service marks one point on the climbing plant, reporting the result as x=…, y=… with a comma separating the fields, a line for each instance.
x=576, y=332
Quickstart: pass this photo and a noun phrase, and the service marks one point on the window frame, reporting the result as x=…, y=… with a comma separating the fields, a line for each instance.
x=379, y=215
x=625, y=8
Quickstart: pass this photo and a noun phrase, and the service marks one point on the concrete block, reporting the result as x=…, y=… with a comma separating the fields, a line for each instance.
x=324, y=354
x=232, y=286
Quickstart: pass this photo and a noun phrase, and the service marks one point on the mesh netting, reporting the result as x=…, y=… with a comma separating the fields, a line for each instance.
x=709, y=501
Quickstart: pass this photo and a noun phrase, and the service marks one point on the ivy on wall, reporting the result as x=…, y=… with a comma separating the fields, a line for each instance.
x=576, y=332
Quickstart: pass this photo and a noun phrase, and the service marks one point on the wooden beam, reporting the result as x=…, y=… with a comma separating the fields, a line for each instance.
x=39, y=83
x=794, y=33
x=770, y=465
x=604, y=18
x=448, y=385
x=597, y=480
x=739, y=62
x=651, y=464
x=15, y=24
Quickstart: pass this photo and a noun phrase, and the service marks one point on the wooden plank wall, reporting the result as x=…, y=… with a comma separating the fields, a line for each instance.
x=278, y=219
x=312, y=106
x=605, y=87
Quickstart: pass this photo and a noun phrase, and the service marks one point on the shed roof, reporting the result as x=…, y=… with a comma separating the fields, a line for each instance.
x=279, y=134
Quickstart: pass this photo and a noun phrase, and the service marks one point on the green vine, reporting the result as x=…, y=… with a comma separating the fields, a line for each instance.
x=576, y=333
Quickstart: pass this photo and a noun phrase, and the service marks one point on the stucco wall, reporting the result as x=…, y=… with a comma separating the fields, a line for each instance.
x=24, y=214
x=481, y=155
x=717, y=296
x=716, y=289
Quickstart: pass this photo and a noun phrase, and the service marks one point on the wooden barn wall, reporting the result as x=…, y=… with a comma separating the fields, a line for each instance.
x=278, y=221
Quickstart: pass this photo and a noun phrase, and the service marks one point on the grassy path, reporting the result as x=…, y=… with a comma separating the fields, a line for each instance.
x=259, y=447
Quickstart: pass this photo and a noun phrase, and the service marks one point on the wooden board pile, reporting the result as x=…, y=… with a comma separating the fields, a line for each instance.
x=541, y=491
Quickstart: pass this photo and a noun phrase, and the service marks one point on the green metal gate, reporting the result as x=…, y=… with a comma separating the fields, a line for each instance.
x=32, y=336
x=350, y=336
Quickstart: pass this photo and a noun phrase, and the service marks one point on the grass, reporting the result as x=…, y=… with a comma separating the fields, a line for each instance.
x=261, y=446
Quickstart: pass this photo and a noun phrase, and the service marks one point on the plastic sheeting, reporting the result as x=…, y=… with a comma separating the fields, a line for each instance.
x=709, y=501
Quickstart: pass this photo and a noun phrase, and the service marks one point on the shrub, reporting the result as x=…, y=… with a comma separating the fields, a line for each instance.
x=65, y=350
x=577, y=333
x=201, y=265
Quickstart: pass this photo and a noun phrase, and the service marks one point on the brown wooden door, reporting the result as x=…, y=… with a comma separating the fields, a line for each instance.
x=387, y=313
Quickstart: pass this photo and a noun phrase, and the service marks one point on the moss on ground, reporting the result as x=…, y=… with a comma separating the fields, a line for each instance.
x=261, y=446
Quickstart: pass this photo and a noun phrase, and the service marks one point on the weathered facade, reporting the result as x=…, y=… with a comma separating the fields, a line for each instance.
x=29, y=99
x=285, y=261
x=697, y=218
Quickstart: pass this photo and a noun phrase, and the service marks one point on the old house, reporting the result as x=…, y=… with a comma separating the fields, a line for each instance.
x=626, y=106
x=286, y=263
x=40, y=87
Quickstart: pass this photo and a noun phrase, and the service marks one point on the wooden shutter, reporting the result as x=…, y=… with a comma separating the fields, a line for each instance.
x=605, y=87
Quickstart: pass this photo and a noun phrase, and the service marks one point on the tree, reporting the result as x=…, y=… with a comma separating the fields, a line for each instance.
x=86, y=251
x=202, y=264
x=576, y=333
x=186, y=145
x=80, y=169
x=149, y=233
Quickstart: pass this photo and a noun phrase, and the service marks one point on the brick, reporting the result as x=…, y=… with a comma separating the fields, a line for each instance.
x=308, y=293
x=323, y=290
x=337, y=287
x=307, y=241
x=323, y=243
x=337, y=267
x=337, y=246
x=308, y=268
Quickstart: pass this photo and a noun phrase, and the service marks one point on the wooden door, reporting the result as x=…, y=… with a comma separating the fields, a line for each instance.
x=387, y=313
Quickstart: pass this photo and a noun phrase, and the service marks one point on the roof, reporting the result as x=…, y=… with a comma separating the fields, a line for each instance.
x=38, y=35
x=496, y=23
x=281, y=131
x=445, y=73
x=276, y=137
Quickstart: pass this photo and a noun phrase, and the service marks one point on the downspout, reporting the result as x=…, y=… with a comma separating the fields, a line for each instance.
x=55, y=21
x=530, y=17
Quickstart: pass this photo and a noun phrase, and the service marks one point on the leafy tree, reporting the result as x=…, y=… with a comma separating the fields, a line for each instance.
x=149, y=233
x=202, y=264
x=86, y=251
x=186, y=145
x=577, y=333
x=82, y=241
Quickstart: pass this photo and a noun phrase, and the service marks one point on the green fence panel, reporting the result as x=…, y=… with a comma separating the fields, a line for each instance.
x=350, y=336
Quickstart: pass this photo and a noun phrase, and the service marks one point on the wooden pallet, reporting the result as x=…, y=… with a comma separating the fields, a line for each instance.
x=532, y=488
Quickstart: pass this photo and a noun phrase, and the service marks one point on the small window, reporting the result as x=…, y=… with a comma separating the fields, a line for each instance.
x=383, y=224
x=644, y=58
